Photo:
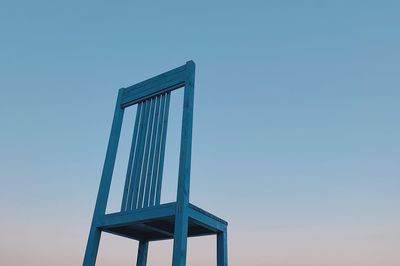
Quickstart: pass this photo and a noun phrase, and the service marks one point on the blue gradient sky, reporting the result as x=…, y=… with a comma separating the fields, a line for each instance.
x=296, y=128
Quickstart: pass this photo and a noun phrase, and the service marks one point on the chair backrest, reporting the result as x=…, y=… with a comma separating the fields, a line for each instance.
x=146, y=160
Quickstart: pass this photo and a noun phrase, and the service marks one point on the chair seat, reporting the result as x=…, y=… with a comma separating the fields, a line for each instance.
x=158, y=223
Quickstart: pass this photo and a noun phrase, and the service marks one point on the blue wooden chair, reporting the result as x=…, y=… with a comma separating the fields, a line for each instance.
x=142, y=216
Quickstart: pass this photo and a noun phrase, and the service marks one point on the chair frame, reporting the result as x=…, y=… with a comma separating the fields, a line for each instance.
x=181, y=211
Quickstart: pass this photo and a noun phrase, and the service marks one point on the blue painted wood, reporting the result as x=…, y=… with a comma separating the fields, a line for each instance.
x=186, y=137
x=181, y=217
x=203, y=212
x=145, y=168
x=168, y=81
x=145, y=214
x=142, y=216
x=163, y=124
x=160, y=219
x=143, y=175
x=157, y=152
x=105, y=183
x=128, y=181
x=222, y=248
x=142, y=253
x=151, y=166
x=133, y=203
x=206, y=219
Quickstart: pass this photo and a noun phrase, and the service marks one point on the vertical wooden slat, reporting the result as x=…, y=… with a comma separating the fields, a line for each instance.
x=151, y=164
x=146, y=161
x=138, y=162
x=162, y=150
x=157, y=152
x=143, y=179
x=145, y=167
x=128, y=181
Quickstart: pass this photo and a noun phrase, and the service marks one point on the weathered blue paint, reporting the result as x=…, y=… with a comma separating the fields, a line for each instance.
x=142, y=217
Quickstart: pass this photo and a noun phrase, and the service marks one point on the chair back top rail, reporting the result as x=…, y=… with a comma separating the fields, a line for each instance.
x=168, y=81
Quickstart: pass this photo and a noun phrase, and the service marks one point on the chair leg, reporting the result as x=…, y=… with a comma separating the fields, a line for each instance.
x=180, y=239
x=142, y=253
x=92, y=247
x=222, y=248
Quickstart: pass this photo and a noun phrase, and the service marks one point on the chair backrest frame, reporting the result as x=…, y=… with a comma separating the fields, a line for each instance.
x=163, y=84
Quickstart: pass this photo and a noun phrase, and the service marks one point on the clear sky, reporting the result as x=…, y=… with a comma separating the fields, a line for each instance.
x=296, y=127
